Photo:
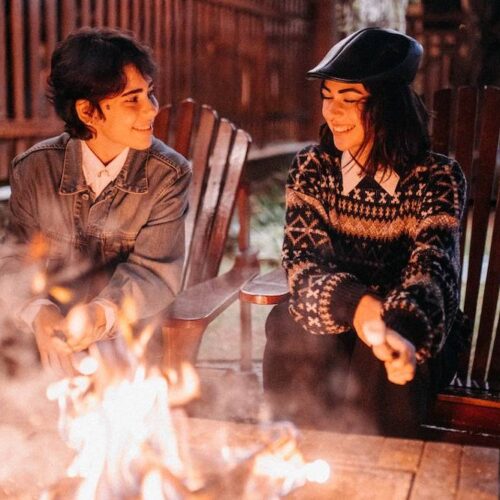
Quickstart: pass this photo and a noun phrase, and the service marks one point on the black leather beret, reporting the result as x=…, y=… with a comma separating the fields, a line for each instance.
x=371, y=55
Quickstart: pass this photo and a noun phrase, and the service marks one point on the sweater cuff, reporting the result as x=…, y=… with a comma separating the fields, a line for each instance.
x=345, y=300
x=414, y=327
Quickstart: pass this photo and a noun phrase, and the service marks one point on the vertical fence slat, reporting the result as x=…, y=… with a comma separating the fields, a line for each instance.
x=4, y=145
x=169, y=53
x=99, y=13
x=68, y=17
x=85, y=13
x=34, y=60
x=51, y=20
x=188, y=37
x=147, y=36
x=3, y=63
x=124, y=14
x=136, y=18
x=112, y=14
x=157, y=49
x=17, y=61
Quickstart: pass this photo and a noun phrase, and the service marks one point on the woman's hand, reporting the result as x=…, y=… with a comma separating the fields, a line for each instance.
x=55, y=353
x=84, y=325
x=397, y=353
x=368, y=321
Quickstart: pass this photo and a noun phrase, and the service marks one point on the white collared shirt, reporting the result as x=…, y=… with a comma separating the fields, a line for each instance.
x=97, y=175
x=352, y=175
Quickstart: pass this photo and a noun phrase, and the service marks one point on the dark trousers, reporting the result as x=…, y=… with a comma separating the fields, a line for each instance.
x=335, y=382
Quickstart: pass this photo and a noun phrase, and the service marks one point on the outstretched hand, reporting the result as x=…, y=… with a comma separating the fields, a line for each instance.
x=55, y=353
x=84, y=325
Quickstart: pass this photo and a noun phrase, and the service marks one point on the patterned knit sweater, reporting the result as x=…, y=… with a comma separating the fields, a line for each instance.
x=402, y=248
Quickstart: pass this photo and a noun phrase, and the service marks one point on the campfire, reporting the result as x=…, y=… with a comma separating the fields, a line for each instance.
x=127, y=424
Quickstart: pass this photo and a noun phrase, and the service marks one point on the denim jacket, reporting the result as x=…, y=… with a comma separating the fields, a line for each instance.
x=128, y=243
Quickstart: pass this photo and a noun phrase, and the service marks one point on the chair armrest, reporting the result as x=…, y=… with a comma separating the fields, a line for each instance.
x=200, y=304
x=266, y=289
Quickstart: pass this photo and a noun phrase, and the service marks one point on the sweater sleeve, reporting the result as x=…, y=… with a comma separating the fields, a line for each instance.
x=424, y=305
x=323, y=298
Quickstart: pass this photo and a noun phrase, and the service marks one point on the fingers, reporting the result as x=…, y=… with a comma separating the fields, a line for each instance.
x=55, y=355
x=401, y=369
x=400, y=376
x=383, y=352
x=84, y=326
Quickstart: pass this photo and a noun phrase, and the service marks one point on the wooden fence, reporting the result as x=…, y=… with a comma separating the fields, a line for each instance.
x=240, y=56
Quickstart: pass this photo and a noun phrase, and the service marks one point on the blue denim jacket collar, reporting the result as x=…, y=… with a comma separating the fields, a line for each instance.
x=132, y=177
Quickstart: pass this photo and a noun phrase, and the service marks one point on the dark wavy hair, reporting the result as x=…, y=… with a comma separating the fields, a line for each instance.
x=397, y=120
x=89, y=64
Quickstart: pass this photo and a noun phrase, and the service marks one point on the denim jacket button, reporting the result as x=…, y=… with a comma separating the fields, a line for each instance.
x=85, y=196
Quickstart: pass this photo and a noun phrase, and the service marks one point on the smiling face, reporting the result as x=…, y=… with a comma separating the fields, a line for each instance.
x=342, y=108
x=127, y=119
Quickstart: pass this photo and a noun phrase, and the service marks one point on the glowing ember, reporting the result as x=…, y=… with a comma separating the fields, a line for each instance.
x=63, y=295
x=39, y=283
x=281, y=467
x=77, y=323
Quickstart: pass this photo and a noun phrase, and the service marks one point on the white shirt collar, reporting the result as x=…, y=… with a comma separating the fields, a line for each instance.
x=97, y=175
x=352, y=176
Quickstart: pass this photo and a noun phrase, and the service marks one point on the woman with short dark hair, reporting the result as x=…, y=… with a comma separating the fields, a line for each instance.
x=105, y=201
x=370, y=249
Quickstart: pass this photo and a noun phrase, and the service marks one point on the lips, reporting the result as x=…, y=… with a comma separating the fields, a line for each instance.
x=147, y=128
x=339, y=129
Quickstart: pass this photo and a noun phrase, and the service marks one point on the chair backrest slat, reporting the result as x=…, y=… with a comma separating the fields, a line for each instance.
x=441, y=125
x=475, y=128
x=162, y=123
x=201, y=149
x=482, y=183
x=227, y=202
x=184, y=126
x=494, y=370
x=217, y=152
x=488, y=311
x=204, y=222
x=465, y=127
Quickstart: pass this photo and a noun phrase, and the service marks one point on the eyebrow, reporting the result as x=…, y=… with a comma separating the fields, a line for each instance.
x=350, y=89
x=136, y=91
x=341, y=91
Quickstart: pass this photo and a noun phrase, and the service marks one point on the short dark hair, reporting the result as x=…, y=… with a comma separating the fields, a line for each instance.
x=89, y=64
x=397, y=120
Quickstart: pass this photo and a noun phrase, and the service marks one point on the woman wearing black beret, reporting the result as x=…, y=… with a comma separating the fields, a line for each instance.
x=372, y=328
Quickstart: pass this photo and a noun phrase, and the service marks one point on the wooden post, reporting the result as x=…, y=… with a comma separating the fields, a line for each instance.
x=323, y=39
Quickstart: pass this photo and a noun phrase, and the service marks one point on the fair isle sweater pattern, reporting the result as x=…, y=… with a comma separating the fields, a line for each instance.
x=402, y=248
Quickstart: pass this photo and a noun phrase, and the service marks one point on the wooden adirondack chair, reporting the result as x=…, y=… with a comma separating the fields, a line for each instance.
x=466, y=127
x=217, y=151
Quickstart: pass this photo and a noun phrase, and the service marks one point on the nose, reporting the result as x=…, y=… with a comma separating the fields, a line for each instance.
x=332, y=108
x=150, y=107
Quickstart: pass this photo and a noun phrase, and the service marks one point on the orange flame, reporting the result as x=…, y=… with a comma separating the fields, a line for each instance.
x=128, y=427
